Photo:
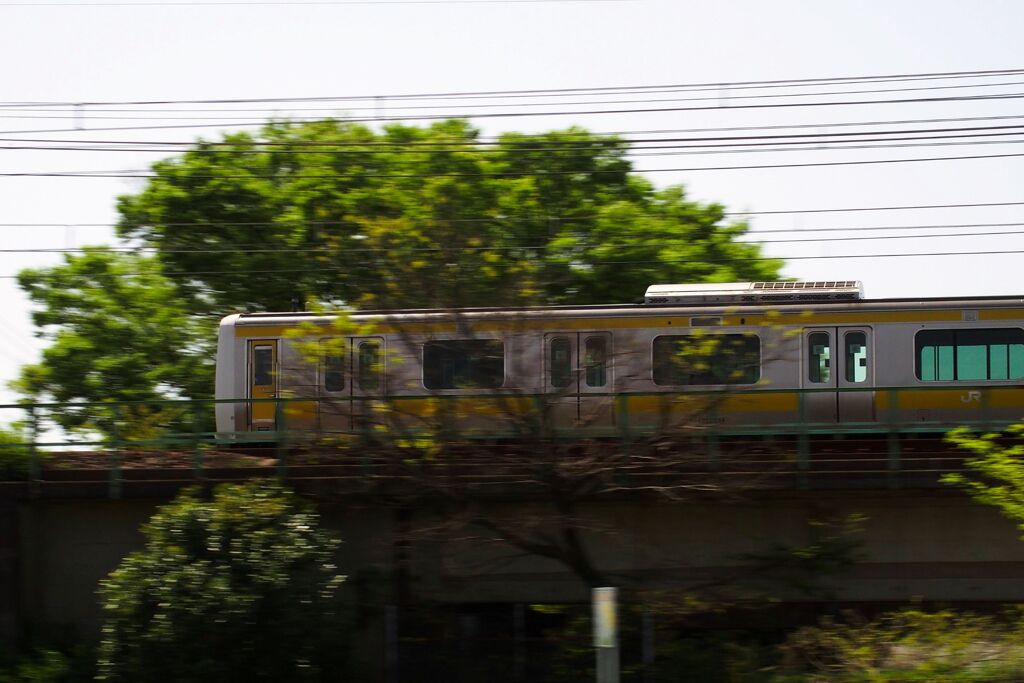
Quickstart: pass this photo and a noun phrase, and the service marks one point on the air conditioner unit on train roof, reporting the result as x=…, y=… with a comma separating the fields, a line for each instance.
x=754, y=292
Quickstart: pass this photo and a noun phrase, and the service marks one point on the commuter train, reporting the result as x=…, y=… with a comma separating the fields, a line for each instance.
x=732, y=355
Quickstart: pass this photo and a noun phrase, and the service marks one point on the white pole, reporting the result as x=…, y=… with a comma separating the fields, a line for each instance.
x=606, y=634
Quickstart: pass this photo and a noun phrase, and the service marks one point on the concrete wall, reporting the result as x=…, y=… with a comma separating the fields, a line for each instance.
x=928, y=545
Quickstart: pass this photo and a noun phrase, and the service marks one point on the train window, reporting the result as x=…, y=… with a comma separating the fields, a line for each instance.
x=464, y=364
x=369, y=366
x=819, y=362
x=969, y=355
x=694, y=359
x=595, y=361
x=560, y=362
x=856, y=356
x=332, y=352
x=263, y=366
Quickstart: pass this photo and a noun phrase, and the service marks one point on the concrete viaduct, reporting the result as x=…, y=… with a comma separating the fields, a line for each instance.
x=65, y=529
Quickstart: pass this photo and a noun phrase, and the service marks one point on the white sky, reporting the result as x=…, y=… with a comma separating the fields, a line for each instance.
x=133, y=52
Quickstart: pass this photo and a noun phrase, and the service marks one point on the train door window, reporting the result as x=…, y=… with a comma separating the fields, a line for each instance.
x=595, y=361
x=263, y=366
x=560, y=362
x=369, y=366
x=856, y=351
x=464, y=364
x=332, y=353
x=820, y=368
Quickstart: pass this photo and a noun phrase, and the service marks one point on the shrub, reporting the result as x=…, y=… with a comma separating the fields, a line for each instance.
x=240, y=587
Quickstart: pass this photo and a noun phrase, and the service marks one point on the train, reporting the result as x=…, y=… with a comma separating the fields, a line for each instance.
x=725, y=355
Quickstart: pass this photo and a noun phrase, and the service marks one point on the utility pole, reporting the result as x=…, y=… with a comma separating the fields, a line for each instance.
x=606, y=634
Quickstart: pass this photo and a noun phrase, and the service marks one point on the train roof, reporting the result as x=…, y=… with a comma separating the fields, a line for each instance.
x=644, y=309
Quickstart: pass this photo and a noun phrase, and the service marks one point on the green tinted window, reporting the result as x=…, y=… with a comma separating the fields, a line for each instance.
x=969, y=355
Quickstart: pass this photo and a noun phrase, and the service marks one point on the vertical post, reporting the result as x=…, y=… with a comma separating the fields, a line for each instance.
x=197, y=437
x=280, y=435
x=893, y=440
x=622, y=401
x=648, y=646
x=803, y=442
x=519, y=634
x=34, y=466
x=606, y=637
x=714, y=450
x=894, y=459
x=115, y=452
x=391, y=643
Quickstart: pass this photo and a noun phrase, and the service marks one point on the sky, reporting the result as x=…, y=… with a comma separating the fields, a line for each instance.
x=81, y=51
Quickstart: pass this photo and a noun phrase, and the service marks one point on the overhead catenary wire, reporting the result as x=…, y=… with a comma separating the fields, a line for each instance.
x=553, y=217
x=591, y=145
x=300, y=3
x=559, y=113
x=582, y=244
x=306, y=271
x=497, y=140
x=81, y=113
x=143, y=175
x=543, y=91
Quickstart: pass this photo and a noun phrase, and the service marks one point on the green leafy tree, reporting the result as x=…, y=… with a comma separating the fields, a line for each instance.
x=238, y=588
x=118, y=332
x=424, y=217
x=995, y=473
x=337, y=213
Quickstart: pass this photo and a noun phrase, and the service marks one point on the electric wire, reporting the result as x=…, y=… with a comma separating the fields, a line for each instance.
x=257, y=249
x=556, y=218
x=596, y=145
x=339, y=270
x=944, y=75
x=79, y=114
x=558, y=113
x=140, y=174
x=497, y=140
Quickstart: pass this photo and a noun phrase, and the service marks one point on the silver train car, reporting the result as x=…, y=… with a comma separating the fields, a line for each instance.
x=733, y=355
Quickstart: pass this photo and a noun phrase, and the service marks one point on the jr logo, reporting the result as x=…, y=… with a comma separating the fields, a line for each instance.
x=971, y=397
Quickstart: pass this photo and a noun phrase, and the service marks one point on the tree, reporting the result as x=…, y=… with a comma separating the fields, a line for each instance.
x=336, y=213
x=424, y=217
x=118, y=332
x=996, y=472
x=240, y=587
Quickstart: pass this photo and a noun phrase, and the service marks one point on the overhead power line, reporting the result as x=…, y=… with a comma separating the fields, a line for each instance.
x=562, y=112
x=550, y=217
x=303, y=3
x=536, y=91
x=82, y=113
x=306, y=271
x=501, y=174
x=262, y=249
x=588, y=145
x=496, y=140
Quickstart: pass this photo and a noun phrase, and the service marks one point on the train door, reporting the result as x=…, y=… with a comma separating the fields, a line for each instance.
x=334, y=405
x=367, y=384
x=351, y=375
x=839, y=361
x=578, y=379
x=263, y=384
